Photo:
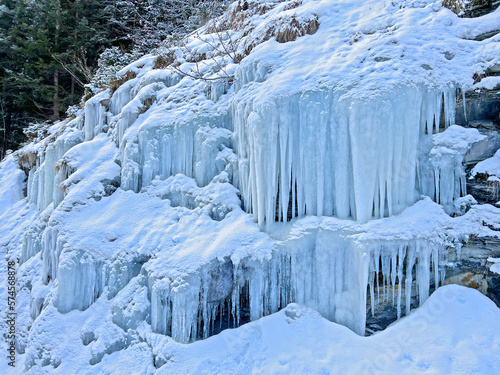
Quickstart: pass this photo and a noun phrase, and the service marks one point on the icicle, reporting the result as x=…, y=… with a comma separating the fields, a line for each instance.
x=410, y=261
x=464, y=103
x=401, y=255
x=393, y=274
x=386, y=272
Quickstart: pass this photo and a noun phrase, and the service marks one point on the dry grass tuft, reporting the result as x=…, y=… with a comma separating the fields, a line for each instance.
x=164, y=60
x=27, y=160
x=146, y=105
x=113, y=85
x=290, y=31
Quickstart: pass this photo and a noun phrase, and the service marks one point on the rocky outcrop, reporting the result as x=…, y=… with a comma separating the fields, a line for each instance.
x=471, y=268
x=481, y=189
x=477, y=8
x=471, y=8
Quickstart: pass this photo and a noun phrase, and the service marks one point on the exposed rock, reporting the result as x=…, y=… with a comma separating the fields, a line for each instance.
x=471, y=267
x=485, y=148
x=480, y=105
x=471, y=8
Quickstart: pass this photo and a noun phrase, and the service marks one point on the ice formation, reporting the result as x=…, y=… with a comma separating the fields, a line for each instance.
x=440, y=172
x=323, y=153
x=322, y=270
x=193, y=205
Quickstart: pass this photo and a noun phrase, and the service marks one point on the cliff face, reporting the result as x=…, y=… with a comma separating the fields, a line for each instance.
x=288, y=152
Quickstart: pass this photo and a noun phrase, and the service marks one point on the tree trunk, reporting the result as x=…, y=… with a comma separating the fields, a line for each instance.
x=56, y=99
x=7, y=129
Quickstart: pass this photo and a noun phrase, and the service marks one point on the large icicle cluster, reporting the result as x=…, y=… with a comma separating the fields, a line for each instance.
x=322, y=270
x=324, y=153
x=42, y=185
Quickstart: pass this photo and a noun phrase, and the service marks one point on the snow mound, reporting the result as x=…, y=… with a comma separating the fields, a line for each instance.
x=489, y=168
x=455, y=332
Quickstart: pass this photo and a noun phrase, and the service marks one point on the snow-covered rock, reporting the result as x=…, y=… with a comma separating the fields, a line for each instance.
x=292, y=152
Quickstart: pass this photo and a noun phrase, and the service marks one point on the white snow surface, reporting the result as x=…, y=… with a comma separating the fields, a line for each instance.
x=495, y=267
x=489, y=167
x=455, y=332
x=321, y=174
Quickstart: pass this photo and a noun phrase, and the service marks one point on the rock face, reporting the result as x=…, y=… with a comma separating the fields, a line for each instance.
x=481, y=104
x=471, y=8
x=477, y=8
x=472, y=268
x=482, y=190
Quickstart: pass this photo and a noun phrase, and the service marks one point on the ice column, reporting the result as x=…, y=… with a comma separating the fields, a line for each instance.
x=95, y=114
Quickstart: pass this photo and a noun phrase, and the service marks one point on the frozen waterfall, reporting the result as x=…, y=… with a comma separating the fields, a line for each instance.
x=325, y=153
x=323, y=270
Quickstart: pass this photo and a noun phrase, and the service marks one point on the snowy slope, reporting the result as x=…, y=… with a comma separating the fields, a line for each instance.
x=293, y=152
x=455, y=332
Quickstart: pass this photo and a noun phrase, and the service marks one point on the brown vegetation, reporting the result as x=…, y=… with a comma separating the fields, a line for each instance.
x=113, y=85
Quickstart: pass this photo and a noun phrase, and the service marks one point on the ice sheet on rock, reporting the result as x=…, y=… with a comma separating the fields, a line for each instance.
x=92, y=165
x=131, y=307
x=16, y=216
x=441, y=174
x=131, y=75
x=42, y=186
x=12, y=182
x=138, y=105
x=175, y=138
x=167, y=77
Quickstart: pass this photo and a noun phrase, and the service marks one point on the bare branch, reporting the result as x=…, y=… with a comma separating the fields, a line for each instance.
x=67, y=69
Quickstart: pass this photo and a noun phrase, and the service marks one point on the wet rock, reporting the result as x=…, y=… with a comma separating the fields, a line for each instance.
x=478, y=8
x=480, y=105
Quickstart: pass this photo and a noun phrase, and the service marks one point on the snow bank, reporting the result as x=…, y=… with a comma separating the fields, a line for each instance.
x=455, y=332
x=489, y=167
